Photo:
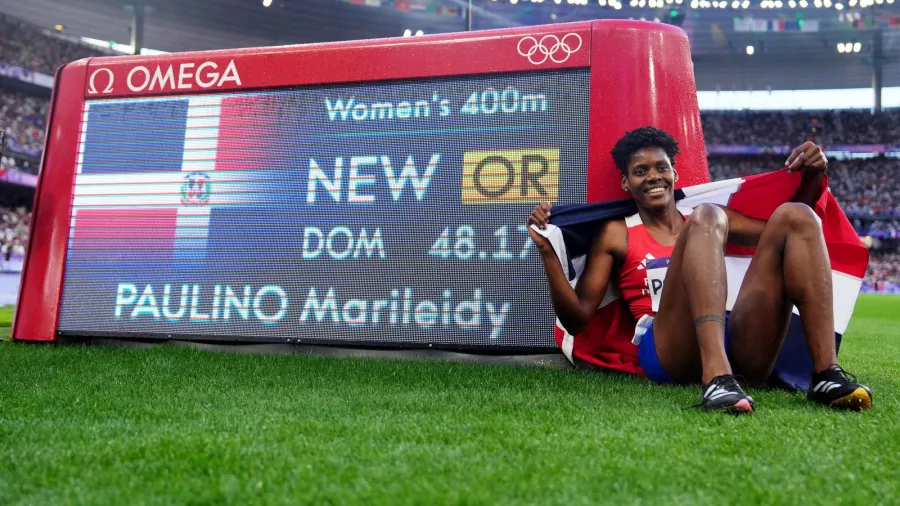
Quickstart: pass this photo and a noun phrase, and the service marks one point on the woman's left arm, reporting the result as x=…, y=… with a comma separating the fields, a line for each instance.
x=810, y=159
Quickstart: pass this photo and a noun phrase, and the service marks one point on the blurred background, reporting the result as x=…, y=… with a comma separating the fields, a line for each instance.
x=770, y=74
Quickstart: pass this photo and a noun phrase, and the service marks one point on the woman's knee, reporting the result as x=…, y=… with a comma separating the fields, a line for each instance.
x=796, y=217
x=709, y=219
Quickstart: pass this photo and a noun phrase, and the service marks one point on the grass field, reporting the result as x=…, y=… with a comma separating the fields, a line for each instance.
x=94, y=425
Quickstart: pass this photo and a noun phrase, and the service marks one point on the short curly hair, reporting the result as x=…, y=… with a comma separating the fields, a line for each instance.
x=640, y=138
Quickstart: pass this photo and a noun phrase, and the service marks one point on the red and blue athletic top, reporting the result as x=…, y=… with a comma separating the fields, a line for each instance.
x=642, y=247
x=607, y=341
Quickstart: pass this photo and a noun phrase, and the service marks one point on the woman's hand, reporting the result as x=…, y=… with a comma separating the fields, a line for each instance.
x=540, y=216
x=808, y=157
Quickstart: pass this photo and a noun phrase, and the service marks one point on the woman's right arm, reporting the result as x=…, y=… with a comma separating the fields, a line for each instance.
x=576, y=306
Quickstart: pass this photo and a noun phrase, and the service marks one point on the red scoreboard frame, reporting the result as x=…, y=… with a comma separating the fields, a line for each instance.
x=640, y=74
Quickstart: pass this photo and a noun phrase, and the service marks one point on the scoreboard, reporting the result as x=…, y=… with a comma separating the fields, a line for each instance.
x=390, y=211
x=370, y=193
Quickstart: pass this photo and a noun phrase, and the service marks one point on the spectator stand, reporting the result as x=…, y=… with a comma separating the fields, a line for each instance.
x=864, y=149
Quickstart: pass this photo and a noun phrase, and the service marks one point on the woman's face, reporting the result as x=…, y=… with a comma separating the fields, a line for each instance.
x=651, y=178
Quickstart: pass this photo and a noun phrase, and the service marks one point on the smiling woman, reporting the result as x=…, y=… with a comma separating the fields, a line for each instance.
x=636, y=165
x=669, y=265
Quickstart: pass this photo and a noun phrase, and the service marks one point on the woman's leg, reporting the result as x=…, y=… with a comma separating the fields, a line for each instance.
x=689, y=328
x=790, y=267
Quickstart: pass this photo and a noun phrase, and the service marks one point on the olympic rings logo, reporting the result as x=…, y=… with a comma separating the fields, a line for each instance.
x=549, y=47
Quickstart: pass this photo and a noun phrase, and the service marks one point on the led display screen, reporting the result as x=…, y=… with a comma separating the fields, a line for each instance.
x=383, y=213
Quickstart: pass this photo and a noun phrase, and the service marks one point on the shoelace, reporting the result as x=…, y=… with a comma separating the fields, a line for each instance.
x=731, y=383
x=846, y=375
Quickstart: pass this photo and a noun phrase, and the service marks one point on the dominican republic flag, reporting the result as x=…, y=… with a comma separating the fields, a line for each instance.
x=607, y=340
x=147, y=189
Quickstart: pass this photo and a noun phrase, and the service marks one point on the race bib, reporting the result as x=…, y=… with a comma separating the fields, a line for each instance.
x=656, y=276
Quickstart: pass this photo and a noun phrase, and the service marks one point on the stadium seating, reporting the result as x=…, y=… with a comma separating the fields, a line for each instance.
x=29, y=47
x=868, y=189
x=22, y=119
x=883, y=274
x=865, y=188
x=14, y=225
x=793, y=127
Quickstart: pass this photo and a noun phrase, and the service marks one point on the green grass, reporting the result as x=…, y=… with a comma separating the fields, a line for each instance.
x=95, y=425
x=6, y=315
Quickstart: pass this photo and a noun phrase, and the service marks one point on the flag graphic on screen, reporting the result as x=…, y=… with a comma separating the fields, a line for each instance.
x=154, y=189
x=607, y=340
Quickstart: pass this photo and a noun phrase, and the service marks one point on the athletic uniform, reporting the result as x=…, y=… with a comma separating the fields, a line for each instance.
x=604, y=343
x=640, y=281
x=641, y=278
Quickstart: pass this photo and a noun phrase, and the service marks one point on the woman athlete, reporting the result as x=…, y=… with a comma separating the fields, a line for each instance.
x=690, y=337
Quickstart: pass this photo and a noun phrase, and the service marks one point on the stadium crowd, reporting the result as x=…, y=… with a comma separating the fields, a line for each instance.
x=27, y=46
x=868, y=189
x=864, y=187
x=22, y=118
x=14, y=226
x=883, y=274
x=777, y=128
